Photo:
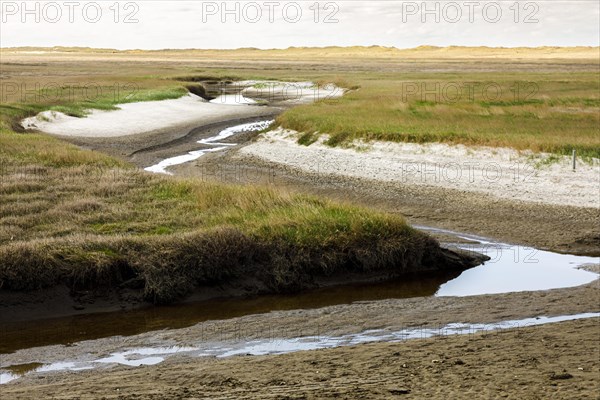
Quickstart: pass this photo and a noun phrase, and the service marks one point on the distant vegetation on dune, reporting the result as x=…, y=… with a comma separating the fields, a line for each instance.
x=337, y=51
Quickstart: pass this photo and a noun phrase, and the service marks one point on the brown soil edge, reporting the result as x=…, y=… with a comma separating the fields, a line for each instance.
x=62, y=301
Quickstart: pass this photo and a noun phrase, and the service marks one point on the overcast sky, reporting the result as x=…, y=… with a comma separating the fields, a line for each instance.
x=280, y=24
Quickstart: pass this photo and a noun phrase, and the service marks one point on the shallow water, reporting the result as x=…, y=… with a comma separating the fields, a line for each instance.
x=20, y=335
x=155, y=355
x=280, y=346
x=125, y=357
x=514, y=268
x=161, y=167
x=233, y=99
x=13, y=372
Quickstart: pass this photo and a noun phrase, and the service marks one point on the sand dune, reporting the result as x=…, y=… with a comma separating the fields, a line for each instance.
x=137, y=118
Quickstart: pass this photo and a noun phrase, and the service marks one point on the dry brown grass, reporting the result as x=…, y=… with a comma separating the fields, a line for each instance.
x=332, y=52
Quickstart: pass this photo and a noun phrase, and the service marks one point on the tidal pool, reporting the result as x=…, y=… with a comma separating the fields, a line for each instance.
x=514, y=268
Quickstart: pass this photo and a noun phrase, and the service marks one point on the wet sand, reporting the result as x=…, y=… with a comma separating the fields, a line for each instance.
x=558, y=361
x=522, y=363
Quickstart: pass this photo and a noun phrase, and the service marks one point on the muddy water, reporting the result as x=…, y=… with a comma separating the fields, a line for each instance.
x=515, y=268
x=21, y=335
x=12, y=372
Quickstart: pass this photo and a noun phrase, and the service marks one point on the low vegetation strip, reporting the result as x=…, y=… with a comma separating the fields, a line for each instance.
x=542, y=112
x=75, y=217
x=543, y=99
x=168, y=267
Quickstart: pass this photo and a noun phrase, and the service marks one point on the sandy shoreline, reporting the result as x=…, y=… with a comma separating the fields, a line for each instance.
x=335, y=320
x=499, y=172
x=141, y=118
x=539, y=362
x=190, y=110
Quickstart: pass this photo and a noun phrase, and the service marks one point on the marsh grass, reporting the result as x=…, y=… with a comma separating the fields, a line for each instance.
x=81, y=218
x=101, y=225
x=563, y=115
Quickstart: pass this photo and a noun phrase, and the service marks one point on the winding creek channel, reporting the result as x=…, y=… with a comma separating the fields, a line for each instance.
x=512, y=268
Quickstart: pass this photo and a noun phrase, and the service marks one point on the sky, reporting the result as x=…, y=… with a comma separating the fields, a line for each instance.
x=281, y=24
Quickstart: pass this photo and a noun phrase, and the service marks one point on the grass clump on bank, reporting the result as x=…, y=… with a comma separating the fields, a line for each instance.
x=167, y=236
x=67, y=102
x=541, y=112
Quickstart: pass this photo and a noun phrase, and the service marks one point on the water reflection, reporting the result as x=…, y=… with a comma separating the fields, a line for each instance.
x=21, y=335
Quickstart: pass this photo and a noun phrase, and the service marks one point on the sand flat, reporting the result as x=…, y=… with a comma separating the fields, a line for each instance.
x=143, y=117
x=501, y=172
